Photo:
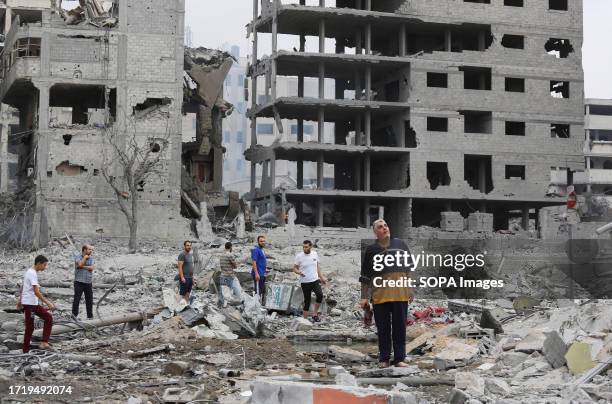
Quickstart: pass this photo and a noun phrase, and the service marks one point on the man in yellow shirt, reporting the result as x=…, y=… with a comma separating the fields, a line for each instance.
x=390, y=302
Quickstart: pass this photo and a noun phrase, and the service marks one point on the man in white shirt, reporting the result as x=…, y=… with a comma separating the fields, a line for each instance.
x=28, y=301
x=307, y=266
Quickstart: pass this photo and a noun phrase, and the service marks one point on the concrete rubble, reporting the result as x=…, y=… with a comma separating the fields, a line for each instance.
x=556, y=350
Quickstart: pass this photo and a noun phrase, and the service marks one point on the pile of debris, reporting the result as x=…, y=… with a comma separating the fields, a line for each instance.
x=100, y=13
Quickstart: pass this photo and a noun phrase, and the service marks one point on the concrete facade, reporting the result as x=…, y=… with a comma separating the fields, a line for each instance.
x=125, y=79
x=437, y=106
x=597, y=177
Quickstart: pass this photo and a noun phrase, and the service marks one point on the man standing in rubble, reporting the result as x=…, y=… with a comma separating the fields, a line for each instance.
x=185, y=271
x=29, y=299
x=83, y=278
x=308, y=267
x=390, y=302
x=258, y=273
x=227, y=262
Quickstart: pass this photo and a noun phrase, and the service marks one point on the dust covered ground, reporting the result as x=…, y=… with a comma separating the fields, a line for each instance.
x=203, y=352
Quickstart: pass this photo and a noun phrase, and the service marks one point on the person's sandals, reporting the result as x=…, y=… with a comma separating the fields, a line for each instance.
x=382, y=365
x=401, y=365
x=46, y=347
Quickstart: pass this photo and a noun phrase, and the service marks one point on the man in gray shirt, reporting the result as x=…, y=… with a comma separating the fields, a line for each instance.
x=83, y=278
x=185, y=271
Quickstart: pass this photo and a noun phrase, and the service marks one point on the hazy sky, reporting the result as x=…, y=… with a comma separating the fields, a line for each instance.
x=223, y=23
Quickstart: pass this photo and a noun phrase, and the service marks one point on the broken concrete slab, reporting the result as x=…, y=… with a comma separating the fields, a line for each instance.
x=301, y=324
x=458, y=397
x=391, y=371
x=281, y=392
x=512, y=358
x=534, y=341
x=418, y=342
x=345, y=379
x=343, y=354
x=456, y=354
x=554, y=349
x=471, y=382
x=497, y=386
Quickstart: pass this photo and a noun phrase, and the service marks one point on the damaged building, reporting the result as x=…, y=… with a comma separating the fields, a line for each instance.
x=439, y=109
x=79, y=78
x=202, y=156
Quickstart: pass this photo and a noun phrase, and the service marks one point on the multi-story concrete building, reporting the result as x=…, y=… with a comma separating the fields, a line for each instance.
x=236, y=130
x=27, y=10
x=597, y=177
x=118, y=68
x=437, y=106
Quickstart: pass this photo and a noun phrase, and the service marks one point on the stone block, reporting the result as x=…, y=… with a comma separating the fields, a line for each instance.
x=534, y=341
x=480, y=222
x=497, y=386
x=451, y=221
x=346, y=354
x=457, y=397
x=579, y=358
x=471, y=382
x=301, y=324
x=554, y=349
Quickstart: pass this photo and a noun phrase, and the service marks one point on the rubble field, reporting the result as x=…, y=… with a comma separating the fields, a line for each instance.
x=147, y=345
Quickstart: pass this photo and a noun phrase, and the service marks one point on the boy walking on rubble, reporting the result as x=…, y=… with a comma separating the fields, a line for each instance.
x=390, y=302
x=29, y=301
x=227, y=262
x=308, y=267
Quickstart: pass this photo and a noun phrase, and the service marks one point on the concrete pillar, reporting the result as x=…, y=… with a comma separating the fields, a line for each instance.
x=366, y=212
x=368, y=83
x=300, y=174
x=368, y=39
x=588, y=173
x=320, y=211
x=368, y=127
x=357, y=85
x=274, y=48
x=8, y=20
x=321, y=80
x=321, y=125
x=254, y=80
x=366, y=172
x=3, y=155
x=358, y=46
x=273, y=172
x=358, y=139
x=402, y=40
x=253, y=178
x=357, y=175
x=322, y=36
x=448, y=40
x=320, y=162
x=482, y=176
x=321, y=3
x=525, y=218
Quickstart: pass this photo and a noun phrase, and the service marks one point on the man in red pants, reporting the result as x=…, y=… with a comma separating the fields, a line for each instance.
x=28, y=301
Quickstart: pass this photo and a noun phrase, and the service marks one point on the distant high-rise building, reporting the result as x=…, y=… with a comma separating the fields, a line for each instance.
x=236, y=130
x=188, y=36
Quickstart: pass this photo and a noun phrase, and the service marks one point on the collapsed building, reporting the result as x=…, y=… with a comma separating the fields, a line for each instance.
x=92, y=85
x=457, y=107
